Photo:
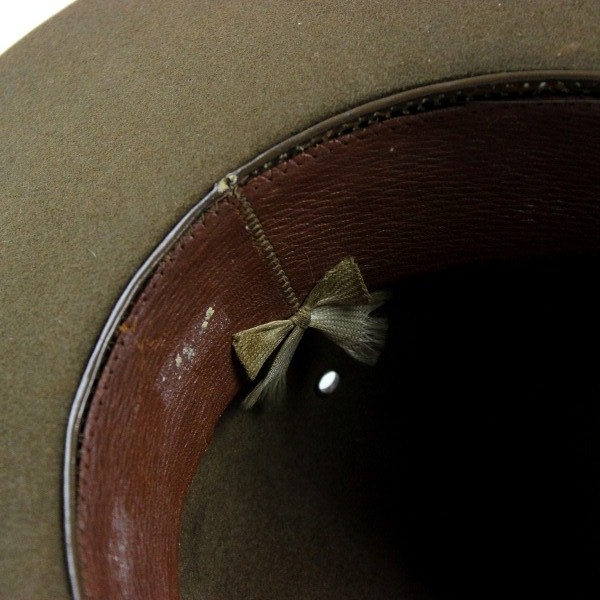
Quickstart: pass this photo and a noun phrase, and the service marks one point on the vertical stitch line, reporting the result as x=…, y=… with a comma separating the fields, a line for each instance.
x=262, y=241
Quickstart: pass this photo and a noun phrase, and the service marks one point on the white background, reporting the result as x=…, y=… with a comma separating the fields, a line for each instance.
x=19, y=17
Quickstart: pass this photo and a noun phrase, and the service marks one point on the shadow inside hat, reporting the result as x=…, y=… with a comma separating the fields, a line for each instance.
x=465, y=465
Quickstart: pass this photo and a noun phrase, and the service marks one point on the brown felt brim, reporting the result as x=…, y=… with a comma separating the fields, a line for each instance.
x=117, y=117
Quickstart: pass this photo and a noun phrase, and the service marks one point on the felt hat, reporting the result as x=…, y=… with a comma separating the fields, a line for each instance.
x=175, y=173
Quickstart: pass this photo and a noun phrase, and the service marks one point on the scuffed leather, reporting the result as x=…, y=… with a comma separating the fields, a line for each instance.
x=168, y=379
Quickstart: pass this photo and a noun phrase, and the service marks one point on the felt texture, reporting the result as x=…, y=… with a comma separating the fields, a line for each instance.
x=116, y=117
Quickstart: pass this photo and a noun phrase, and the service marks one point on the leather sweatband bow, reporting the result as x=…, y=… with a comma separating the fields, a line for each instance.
x=339, y=305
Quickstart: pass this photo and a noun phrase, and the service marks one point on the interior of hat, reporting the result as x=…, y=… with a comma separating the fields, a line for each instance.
x=464, y=465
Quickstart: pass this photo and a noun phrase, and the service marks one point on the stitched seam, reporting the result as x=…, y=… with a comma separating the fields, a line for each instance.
x=317, y=152
x=496, y=91
x=260, y=238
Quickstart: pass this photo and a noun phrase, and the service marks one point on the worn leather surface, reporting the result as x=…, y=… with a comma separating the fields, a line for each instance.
x=413, y=194
x=169, y=377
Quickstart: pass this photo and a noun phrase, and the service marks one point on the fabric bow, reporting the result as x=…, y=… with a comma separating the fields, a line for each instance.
x=339, y=305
